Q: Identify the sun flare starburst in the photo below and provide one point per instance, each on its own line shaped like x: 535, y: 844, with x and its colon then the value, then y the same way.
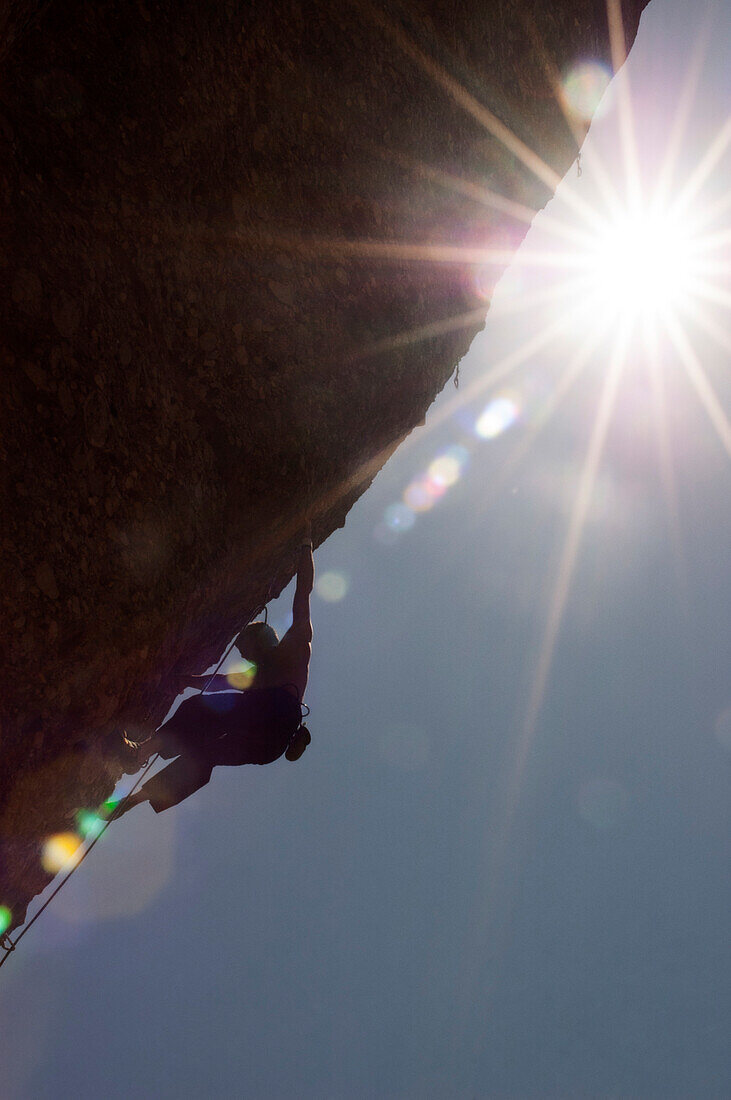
x: 633, y: 274
x: 627, y: 288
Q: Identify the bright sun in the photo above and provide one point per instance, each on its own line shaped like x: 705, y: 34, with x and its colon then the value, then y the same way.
x: 627, y: 275
x: 642, y: 264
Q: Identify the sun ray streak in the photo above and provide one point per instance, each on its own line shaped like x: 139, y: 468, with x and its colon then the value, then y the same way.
x: 682, y: 112
x: 477, y: 110
x: 553, y: 76
x: 502, y: 835
x: 711, y: 211
x: 409, y: 251
x: 665, y: 457
x: 497, y: 844
x: 493, y: 200
x: 501, y: 369
x: 500, y: 308
x: 700, y: 382
x: 710, y: 292
x: 466, y: 101
x: 569, y: 555
x: 566, y: 380
x: 700, y: 318
x: 618, y: 47
x: 424, y: 332
x: 558, y: 228
x: 563, y: 290
x: 712, y: 241
x: 577, y: 128
x: 703, y: 169
x: 475, y: 191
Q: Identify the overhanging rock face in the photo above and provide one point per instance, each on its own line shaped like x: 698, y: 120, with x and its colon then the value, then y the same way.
x: 205, y: 292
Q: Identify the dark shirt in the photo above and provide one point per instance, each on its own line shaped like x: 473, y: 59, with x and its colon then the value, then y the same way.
x: 226, y: 728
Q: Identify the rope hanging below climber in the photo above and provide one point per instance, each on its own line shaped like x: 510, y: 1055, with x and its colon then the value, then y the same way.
x: 225, y: 725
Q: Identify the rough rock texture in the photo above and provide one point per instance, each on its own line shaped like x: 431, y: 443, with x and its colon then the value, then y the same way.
x: 198, y: 310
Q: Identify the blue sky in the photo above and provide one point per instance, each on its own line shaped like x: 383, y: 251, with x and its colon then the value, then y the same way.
x: 443, y: 897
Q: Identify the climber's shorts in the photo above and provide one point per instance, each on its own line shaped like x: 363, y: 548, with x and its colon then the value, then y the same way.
x: 225, y: 728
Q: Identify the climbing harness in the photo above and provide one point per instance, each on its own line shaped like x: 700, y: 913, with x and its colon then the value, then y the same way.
x: 7, y: 943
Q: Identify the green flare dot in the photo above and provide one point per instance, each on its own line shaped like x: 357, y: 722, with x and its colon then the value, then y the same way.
x: 5, y: 918
x: 89, y: 824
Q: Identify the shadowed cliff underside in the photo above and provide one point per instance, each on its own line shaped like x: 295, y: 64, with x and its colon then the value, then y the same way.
x: 195, y: 354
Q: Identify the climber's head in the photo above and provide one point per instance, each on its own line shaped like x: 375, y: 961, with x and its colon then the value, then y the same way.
x: 300, y: 740
x: 256, y: 641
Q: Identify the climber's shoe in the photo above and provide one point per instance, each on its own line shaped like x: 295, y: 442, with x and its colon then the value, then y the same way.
x: 299, y: 742
x: 128, y: 753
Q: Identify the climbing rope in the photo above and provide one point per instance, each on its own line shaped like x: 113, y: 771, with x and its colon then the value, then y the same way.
x: 8, y: 944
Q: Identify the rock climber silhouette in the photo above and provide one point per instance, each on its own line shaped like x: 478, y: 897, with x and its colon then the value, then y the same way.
x: 224, y: 725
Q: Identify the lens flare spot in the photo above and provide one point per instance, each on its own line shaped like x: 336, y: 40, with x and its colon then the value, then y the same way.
x: 445, y: 471
x: 128, y: 878
x: 332, y: 586
x: 446, y: 468
x: 89, y: 824
x: 583, y: 88
x: 419, y: 496
x: 6, y: 918
x: 241, y: 674
x: 499, y: 415
x: 61, y: 850
x: 398, y: 517
x: 436, y: 488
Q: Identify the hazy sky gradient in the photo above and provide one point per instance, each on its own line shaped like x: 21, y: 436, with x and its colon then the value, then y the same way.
x: 406, y: 911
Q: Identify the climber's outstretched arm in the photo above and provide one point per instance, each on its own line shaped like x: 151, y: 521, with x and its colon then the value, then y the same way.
x: 294, y: 650
x: 305, y: 581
